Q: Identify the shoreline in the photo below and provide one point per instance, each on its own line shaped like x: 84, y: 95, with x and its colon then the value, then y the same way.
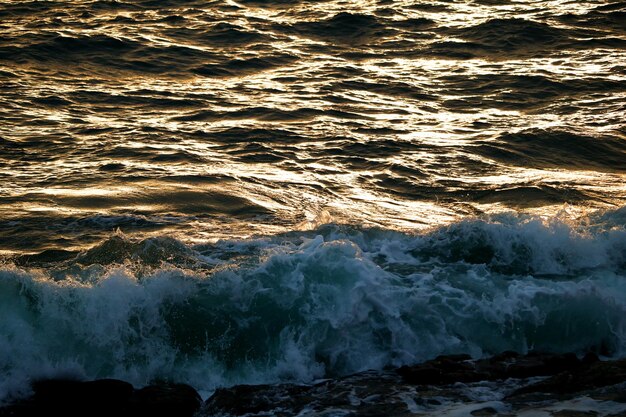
x: 508, y: 384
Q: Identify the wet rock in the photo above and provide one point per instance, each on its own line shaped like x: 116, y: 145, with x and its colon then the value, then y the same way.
x: 450, y: 369
x: 575, y: 413
x: 363, y: 394
x: 253, y: 399
x: 531, y: 365
x: 435, y: 387
x: 105, y: 397
x: 443, y: 370
x: 444, y: 384
x: 165, y: 400
x: 487, y: 411
x: 590, y: 376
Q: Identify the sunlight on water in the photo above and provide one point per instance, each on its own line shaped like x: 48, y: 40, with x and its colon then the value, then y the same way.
x: 249, y: 116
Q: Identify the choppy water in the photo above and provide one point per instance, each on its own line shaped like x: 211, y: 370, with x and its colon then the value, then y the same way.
x: 166, y: 166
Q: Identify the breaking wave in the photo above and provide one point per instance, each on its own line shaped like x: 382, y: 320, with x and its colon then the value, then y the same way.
x: 306, y: 305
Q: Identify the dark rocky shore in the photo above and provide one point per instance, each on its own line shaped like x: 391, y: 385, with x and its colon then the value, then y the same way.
x: 508, y: 384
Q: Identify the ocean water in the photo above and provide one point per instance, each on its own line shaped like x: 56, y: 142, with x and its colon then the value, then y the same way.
x: 263, y: 191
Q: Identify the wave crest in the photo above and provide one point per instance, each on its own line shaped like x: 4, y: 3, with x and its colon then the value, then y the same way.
x: 331, y: 301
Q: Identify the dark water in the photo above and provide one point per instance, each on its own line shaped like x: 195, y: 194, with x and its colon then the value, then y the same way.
x: 221, y: 192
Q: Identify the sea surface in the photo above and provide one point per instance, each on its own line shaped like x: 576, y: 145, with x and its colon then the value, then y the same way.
x: 264, y: 191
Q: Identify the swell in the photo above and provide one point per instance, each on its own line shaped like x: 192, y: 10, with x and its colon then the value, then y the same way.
x: 101, y: 51
x: 268, y: 114
x: 609, y: 16
x: 219, y: 48
x: 221, y: 35
x: 514, y: 195
x: 557, y: 149
x: 345, y: 27
x: 502, y: 37
x: 522, y: 92
x: 239, y: 67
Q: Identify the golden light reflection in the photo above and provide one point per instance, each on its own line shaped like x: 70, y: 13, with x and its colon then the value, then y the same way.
x: 290, y: 114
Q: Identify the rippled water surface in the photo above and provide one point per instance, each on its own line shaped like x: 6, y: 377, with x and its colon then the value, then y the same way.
x: 212, y: 119
x: 265, y: 191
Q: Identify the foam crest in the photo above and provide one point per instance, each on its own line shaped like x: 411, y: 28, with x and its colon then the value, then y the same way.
x: 312, y: 304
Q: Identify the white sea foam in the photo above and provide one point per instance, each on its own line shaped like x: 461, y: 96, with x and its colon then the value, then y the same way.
x: 310, y: 305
